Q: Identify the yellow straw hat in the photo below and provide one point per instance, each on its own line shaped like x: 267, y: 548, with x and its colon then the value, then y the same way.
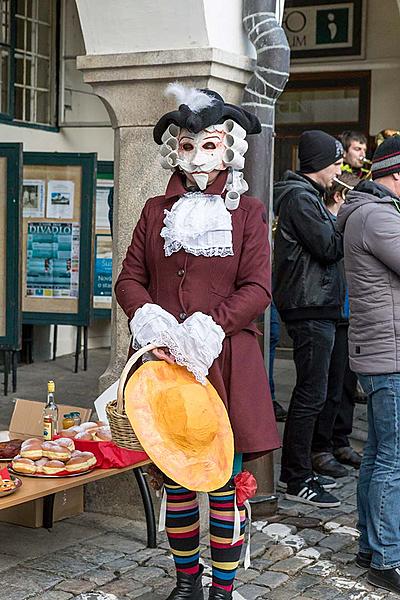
x: 182, y: 425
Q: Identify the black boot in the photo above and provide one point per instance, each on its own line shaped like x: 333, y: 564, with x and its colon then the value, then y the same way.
x: 218, y: 594
x: 188, y: 587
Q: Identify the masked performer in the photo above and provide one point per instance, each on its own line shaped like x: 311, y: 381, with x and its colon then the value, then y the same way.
x: 196, y: 275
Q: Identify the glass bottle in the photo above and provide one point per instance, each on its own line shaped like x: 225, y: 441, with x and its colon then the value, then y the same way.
x: 50, y: 414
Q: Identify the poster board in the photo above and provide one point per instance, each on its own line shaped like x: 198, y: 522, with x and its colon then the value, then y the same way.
x: 10, y: 205
x: 57, y: 240
x: 102, y: 279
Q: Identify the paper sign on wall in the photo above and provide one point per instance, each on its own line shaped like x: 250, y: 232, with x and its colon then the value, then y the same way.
x: 60, y: 199
x: 33, y: 198
x: 52, y: 266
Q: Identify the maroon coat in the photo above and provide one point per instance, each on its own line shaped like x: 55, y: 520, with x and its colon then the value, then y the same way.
x: 234, y: 290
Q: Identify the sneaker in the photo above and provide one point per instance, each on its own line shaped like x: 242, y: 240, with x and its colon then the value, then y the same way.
x: 280, y: 412
x: 387, y: 579
x: 328, y: 483
x: 311, y: 492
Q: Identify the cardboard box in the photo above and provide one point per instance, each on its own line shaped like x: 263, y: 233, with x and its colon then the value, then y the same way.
x: 26, y: 422
x: 27, y: 418
x: 68, y: 503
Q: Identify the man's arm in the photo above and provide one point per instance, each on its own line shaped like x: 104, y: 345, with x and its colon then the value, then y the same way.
x: 382, y: 237
x: 313, y: 231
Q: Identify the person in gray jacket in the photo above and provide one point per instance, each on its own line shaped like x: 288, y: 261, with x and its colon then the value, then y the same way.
x: 370, y: 220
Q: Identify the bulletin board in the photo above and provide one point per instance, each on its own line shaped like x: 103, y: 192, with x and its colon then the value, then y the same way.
x: 57, y: 237
x: 102, y: 279
x: 10, y: 297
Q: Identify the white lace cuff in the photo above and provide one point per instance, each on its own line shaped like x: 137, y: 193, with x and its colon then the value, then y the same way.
x: 147, y: 323
x: 195, y: 344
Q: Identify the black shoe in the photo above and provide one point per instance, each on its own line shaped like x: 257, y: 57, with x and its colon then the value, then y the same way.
x: 311, y: 492
x: 328, y: 483
x: 218, y: 594
x: 363, y: 560
x: 348, y: 456
x: 188, y: 587
x: 325, y: 463
x: 280, y: 412
x: 387, y: 579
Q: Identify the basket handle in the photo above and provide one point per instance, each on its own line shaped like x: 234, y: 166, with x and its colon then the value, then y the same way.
x: 132, y: 360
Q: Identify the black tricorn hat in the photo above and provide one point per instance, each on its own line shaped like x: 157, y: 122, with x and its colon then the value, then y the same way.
x: 200, y: 108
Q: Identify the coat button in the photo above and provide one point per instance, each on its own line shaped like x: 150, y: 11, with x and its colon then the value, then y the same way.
x: 182, y: 316
x: 181, y: 272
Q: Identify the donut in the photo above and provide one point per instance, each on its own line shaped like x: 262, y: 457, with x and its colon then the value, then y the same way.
x: 40, y: 464
x: 67, y: 443
x: 31, y: 450
x: 103, y: 434
x: 77, y: 464
x: 53, y: 467
x: 69, y: 433
x: 90, y: 458
x: 88, y: 425
x: 23, y: 465
x: 55, y: 451
x: 84, y: 436
x: 32, y: 441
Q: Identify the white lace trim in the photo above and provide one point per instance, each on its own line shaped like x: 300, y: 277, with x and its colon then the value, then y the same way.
x: 165, y: 339
x: 195, y: 344
x: 200, y: 224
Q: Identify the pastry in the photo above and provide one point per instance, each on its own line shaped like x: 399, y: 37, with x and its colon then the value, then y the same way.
x: 31, y: 449
x: 40, y: 464
x: 86, y: 436
x: 10, y: 449
x: 77, y: 464
x: 55, y: 451
x: 53, y: 467
x: 23, y: 465
x: 67, y: 443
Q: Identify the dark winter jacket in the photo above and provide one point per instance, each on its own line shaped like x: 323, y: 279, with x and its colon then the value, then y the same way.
x: 371, y: 225
x: 308, y: 280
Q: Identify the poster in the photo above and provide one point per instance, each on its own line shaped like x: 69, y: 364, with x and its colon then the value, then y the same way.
x: 60, y: 199
x: 104, y: 186
x: 103, y: 270
x: 33, y: 198
x: 52, y: 266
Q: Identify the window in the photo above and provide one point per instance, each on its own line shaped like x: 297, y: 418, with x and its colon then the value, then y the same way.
x: 28, y: 65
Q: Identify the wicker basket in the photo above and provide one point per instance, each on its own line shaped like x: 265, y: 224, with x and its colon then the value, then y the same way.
x: 121, y: 429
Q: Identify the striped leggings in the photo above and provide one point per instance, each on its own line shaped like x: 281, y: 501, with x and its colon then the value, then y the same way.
x: 182, y: 527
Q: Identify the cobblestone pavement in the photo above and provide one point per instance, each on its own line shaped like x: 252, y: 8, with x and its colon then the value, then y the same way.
x: 300, y: 553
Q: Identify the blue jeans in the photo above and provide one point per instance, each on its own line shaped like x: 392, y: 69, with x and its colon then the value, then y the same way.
x: 379, y: 483
x: 275, y: 334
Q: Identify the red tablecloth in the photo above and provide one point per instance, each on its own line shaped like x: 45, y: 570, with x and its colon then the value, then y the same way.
x: 109, y: 455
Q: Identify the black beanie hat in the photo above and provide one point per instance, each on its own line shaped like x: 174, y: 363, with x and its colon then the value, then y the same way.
x: 318, y: 150
x: 386, y: 159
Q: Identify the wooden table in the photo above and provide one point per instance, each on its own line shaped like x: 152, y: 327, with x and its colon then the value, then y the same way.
x: 46, y: 488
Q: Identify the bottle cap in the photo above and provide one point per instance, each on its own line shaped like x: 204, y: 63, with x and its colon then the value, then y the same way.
x: 51, y: 386
x: 68, y: 415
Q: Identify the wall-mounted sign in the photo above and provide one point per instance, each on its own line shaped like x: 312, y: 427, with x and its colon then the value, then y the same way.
x: 102, y: 289
x: 323, y: 28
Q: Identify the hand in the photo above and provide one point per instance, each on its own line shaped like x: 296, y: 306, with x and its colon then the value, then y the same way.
x: 164, y: 354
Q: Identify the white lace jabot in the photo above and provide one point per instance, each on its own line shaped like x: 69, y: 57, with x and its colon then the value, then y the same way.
x: 200, y: 224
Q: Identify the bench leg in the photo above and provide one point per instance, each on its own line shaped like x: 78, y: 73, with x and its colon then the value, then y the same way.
x: 48, y: 506
x: 148, y: 507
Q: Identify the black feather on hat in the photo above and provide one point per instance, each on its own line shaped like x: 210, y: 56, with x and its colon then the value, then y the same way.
x: 199, y: 109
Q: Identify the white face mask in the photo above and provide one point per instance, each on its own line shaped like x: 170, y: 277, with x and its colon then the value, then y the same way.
x: 200, y: 154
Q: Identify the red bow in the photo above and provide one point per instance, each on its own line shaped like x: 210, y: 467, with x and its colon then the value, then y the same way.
x: 246, y: 486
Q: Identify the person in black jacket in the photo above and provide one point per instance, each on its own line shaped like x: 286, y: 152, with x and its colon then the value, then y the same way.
x: 308, y: 290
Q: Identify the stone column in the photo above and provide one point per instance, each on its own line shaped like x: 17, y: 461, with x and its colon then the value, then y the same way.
x: 132, y: 89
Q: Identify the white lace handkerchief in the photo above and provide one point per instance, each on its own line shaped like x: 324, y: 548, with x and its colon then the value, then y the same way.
x: 200, y: 224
